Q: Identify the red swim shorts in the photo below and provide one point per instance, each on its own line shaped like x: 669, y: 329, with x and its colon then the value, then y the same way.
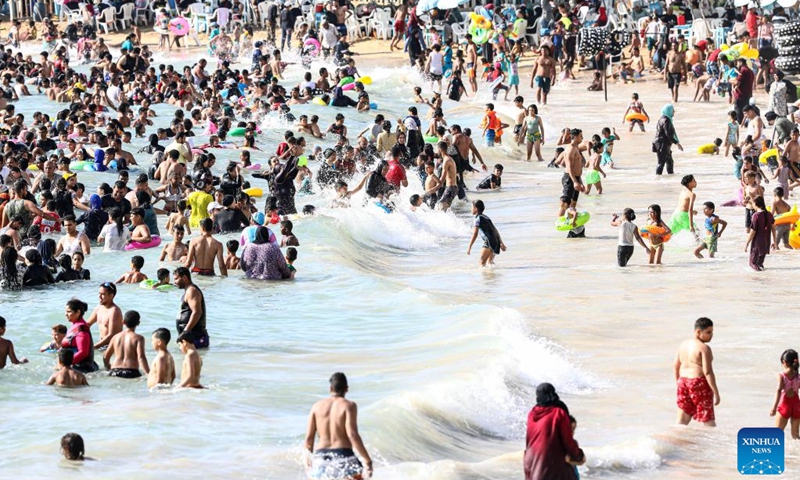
x: 789, y: 407
x: 399, y: 26
x: 695, y: 398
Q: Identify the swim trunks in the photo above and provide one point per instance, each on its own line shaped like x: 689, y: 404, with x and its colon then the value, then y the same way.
x: 399, y: 27
x: 592, y: 177
x: 711, y: 243
x: 624, y: 254
x: 695, y: 398
x: 449, y: 195
x: 490, y: 134
x: 124, y: 373
x: 789, y: 407
x: 435, y: 77
x: 679, y: 222
x: 673, y: 80
x: 513, y: 80
x: 533, y: 137
x: 543, y: 83
x: 205, y: 272
x: 568, y: 188
x: 517, y: 128
x: 201, y: 341
x: 335, y: 463
x: 471, y: 70
x: 748, y: 217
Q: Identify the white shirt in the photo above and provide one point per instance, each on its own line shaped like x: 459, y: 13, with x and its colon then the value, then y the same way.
x: 114, y: 93
x: 436, y: 63
x: 626, y: 230
x: 310, y: 84
x: 329, y: 36
x: 113, y: 241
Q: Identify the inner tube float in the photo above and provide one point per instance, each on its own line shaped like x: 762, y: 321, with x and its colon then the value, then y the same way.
x: 794, y: 237
x: 765, y: 157
x: 254, y: 192
x: 302, y: 161
x: 319, y: 101
x: 81, y: 165
x: 150, y: 284
x: 179, y: 26
x: 563, y: 222
x: 789, y: 218
x: 237, y: 132
x: 482, y: 21
x: 647, y: 230
x: 633, y: 116
x: 155, y: 241
x: 312, y: 47
x: 255, y: 166
x: 479, y: 35
x: 346, y: 80
x: 431, y: 139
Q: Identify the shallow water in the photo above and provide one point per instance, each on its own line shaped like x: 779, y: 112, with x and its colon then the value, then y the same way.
x: 442, y: 357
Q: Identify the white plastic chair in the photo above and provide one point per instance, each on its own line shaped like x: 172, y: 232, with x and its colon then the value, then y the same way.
x: 222, y: 16
x: 365, y: 23
x: 353, y: 31
x: 126, y: 12
x: 74, y: 16
x: 262, y: 13
x: 107, y: 20
x: 142, y: 12
x: 198, y: 17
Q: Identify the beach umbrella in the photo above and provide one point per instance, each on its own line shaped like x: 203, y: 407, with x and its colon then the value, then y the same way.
x: 447, y: 4
x: 425, y: 5
x: 766, y: 3
x: 741, y: 3
x: 787, y: 3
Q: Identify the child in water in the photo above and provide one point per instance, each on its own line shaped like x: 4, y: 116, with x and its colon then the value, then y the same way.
x: 711, y: 226
x: 493, y: 181
x: 574, y: 424
x: 58, y: 333
x: 66, y: 376
x: 231, y: 260
x: 291, y: 256
x: 592, y: 176
x: 628, y: 231
x: 608, y: 142
x: 635, y: 107
x: 787, y: 404
x: 656, y: 240
x: 731, y: 132
x: 710, y: 148
x: 135, y: 275
x: 7, y: 348
x: 492, y: 243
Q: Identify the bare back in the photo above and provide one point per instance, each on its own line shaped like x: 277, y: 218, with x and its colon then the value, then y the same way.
x: 330, y: 417
x: 690, y: 356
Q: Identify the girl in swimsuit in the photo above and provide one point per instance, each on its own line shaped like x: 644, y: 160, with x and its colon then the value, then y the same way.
x: 787, y: 404
x: 533, y: 133
x: 656, y: 241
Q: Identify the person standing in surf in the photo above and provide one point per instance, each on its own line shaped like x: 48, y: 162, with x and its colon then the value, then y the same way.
x: 549, y: 440
x: 665, y: 138
x: 694, y: 375
x: 335, y: 420
x: 492, y: 242
x: 683, y: 216
x: 571, y: 182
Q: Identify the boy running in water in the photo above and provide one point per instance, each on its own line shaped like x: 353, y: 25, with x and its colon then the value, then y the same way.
x: 492, y: 243
x: 713, y: 232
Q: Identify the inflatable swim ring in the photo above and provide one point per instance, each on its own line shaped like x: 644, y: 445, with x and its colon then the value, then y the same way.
x: 237, y: 132
x: 563, y: 224
x: 479, y: 35
x: 373, y: 106
x: 155, y: 241
x: 198, y: 151
x: 312, y: 42
x: 179, y: 26
x: 366, y: 80
x: 788, y: 218
x: 636, y: 116
x: 255, y: 166
x: 348, y: 87
x: 319, y: 101
x: 150, y: 284
x: 431, y: 139
x: 302, y: 161
x: 80, y: 165
x: 652, y: 229
x: 254, y: 191
x: 764, y: 157
x: 346, y: 80
x: 33, y: 168
x: 794, y: 237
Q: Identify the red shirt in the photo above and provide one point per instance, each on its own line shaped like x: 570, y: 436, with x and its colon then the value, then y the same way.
x: 282, y: 147
x: 396, y: 173
x: 752, y: 24
x: 714, y: 55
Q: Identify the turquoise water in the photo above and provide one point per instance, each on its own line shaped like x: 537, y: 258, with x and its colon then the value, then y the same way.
x: 442, y: 356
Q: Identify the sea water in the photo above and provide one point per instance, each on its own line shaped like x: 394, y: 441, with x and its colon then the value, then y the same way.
x: 442, y: 357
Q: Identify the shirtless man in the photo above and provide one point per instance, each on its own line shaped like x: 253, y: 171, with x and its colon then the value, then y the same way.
x: 203, y: 250
x: 162, y: 371
x: 176, y: 250
x: 472, y: 63
x: 107, y: 315
x: 697, y: 384
x: 399, y: 26
x: 335, y: 420
x: 66, y: 376
x: 571, y: 182
x: 141, y: 232
x: 449, y: 175
x: 464, y: 145
x: 192, y: 363
x: 171, y: 166
x: 675, y: 71
x: 544, y: 74
x: 683, y: 216
x: 127, y: 347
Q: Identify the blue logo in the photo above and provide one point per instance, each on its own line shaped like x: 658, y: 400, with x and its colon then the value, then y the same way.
x: 761, y: 451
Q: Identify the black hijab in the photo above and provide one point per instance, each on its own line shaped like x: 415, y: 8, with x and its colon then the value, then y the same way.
x: 546, y: 396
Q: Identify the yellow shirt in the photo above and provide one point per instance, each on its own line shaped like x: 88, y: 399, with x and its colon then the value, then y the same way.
x: 198, y: 201
x: 707, y: 149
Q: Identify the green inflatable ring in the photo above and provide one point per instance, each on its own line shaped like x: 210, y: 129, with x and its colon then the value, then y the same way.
x: 562, y: 224
x: 479, y: 35
x: 237, y: 132
x: 431, y: 139
x: 80, y: 165
x: 345, y: 81
x: 150, y: 282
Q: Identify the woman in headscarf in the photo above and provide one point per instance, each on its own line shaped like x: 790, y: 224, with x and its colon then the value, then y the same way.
x: 665, y: 138
x: 263, y: 260
x: 342, y: 100
x: 376, y: 184
x: 47, y: 249
x: 79, y: 337
x: 762, y: 234
x: 95, y: 219
x: 549, y: 439
x: 143, y: 199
